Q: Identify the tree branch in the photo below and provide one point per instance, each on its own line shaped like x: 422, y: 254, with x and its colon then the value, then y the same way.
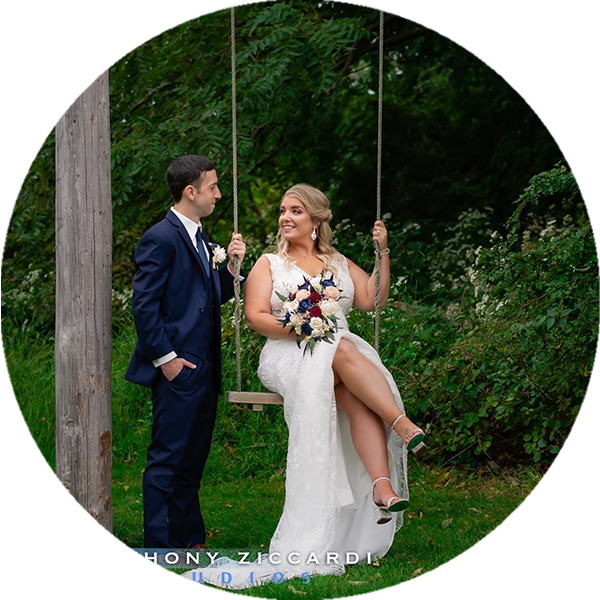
x: 151, y: 92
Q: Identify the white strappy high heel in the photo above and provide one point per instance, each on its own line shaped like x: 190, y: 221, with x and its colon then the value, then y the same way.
x: 382, y: 513
x: 414, y: 442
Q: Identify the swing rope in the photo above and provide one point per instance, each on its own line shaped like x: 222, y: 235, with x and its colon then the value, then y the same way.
x: 236, y: 281
x: 236, y: 262
x: 379, y: 145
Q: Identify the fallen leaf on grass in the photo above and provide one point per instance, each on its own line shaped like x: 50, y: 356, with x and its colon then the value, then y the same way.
x: 417, y: 572
x: 293, y: 589
x: 446, y: 522
x: 228, y: 505
x: 474, y: 509
x: 357, y: 582
x: 375, y: 563
x: 161, y: 580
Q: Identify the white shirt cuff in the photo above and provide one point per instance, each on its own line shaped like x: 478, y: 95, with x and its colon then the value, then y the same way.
x: 232, y: 273
x: 164, y: 359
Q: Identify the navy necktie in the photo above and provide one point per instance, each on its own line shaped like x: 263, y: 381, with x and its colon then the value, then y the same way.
x: 202, y: 253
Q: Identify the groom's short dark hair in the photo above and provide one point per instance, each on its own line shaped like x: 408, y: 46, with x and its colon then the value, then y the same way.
x: 187, y: 170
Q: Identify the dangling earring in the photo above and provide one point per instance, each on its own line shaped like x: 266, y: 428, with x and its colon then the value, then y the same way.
x: 313, y: 235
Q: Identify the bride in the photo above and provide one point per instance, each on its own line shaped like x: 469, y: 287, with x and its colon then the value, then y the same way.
x: 346, y: 485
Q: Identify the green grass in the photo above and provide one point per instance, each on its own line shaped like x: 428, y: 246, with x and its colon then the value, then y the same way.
x: 451, y: 508
x: 521, y: 521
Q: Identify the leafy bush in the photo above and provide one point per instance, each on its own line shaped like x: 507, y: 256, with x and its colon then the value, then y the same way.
x: 490, y: 337
x: 497, y: 359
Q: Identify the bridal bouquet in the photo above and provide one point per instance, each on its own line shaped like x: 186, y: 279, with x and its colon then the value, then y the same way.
x: 311, y: 311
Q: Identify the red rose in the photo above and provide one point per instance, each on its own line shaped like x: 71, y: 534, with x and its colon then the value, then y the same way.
x: 293, y: 296
x: 315, y: 311
x: 315, y: 298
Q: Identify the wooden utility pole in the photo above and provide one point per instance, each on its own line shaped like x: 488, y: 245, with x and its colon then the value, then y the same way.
x: 84, y: 301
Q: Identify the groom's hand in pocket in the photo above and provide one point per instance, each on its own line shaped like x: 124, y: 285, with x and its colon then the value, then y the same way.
x: 172, y: 368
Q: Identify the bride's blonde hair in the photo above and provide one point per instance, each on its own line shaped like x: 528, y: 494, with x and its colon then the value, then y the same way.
x: 317, y: 205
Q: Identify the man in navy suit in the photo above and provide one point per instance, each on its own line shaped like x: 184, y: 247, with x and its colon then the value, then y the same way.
x: 177, y: 295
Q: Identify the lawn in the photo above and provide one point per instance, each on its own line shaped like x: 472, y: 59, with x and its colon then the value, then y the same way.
x: 516, y: 534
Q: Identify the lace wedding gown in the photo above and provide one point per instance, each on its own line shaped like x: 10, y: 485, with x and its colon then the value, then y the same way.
x: 328, y: 507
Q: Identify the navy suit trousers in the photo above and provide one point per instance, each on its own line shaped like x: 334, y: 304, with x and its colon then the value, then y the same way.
x: 184, y: 412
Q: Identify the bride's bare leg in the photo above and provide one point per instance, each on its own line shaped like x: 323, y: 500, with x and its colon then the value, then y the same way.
x: 367, y: 383
x: 368, y: 436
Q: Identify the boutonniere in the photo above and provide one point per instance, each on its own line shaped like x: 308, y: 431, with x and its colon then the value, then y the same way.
x: 219, y: 255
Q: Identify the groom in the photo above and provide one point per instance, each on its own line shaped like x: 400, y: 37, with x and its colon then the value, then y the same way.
x: 177, y: 294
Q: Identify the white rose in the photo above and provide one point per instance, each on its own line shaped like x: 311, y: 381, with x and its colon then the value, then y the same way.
x: 316, y: 322
x: 296, y: 319
x: 316, y: 283
x: 315, y: 333
x: 329, y: 308
x: 332, y: 292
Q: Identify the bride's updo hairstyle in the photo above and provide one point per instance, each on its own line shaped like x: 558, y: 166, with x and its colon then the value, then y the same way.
x: 317, y: 205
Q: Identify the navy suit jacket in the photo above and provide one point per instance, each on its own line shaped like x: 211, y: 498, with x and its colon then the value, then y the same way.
x: 172, y: 306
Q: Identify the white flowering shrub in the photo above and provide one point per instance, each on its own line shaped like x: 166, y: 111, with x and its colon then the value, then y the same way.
x: 496, y: 362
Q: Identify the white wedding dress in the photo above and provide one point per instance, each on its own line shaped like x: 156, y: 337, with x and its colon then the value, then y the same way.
x: 328, y: 491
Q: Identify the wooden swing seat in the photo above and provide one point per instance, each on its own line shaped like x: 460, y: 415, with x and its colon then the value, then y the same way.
x: 256, y: 399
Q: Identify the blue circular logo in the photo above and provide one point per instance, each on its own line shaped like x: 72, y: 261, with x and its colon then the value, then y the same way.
x: 45, y: 559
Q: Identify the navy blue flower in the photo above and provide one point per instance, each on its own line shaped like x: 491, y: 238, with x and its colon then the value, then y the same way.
x: 306, y: 329
x: 287, y: 317
x: 304, y: 305
x: 328, y: 282
x: 305, y: 285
